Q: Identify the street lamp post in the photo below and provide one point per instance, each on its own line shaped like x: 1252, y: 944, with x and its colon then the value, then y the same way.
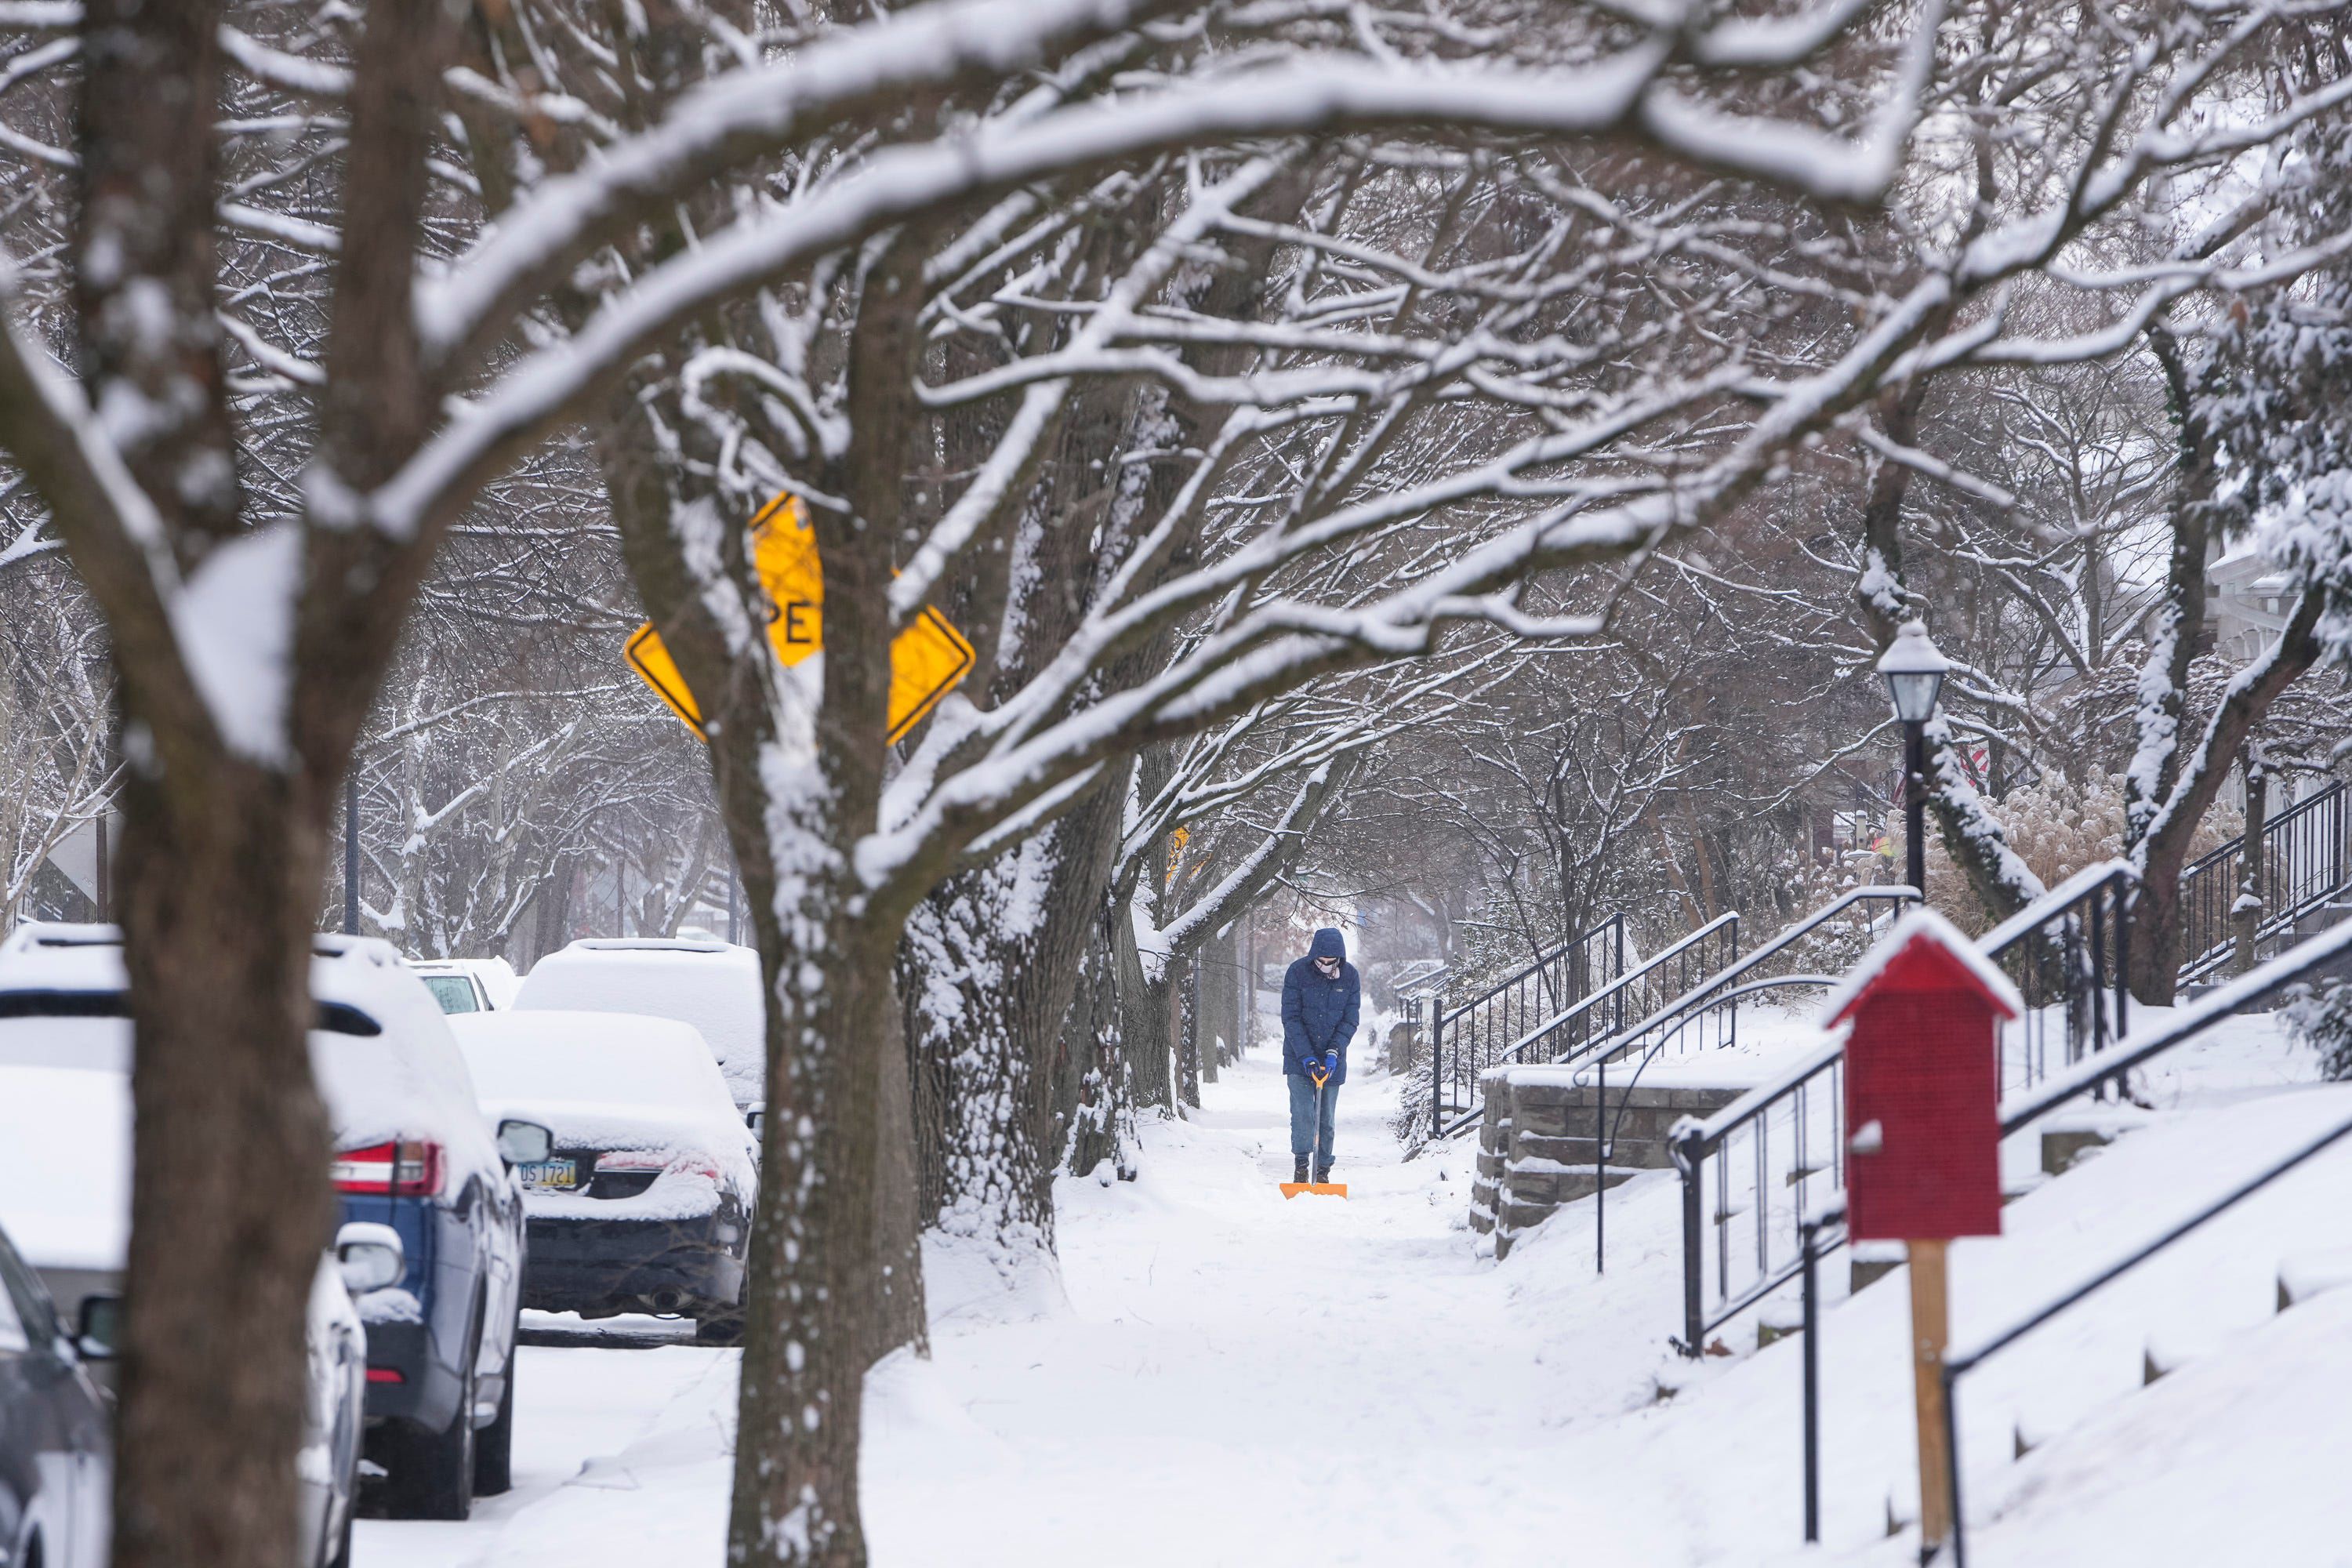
x: 1914, y: 673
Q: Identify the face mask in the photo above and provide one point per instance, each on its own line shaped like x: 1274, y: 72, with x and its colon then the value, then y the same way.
x: 1329, y: 966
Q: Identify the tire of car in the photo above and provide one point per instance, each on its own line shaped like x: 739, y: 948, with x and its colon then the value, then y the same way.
x: 433, y: 1472
x: 724, y: 1326
x: 494, y: 1444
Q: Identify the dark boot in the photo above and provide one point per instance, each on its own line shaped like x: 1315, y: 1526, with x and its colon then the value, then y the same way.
x: 1298, y: 1170
x: 1323, y: 1174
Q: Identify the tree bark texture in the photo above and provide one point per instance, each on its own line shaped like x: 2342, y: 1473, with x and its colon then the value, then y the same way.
x: 220, y: 1263
x: 2157, y: 915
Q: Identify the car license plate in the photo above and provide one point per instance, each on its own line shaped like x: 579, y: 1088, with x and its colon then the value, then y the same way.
x: 558, y: 1175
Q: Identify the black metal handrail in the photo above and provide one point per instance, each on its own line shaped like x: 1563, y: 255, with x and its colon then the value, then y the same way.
x: 2070, y: 944
x: 1719, y: 994
x: 1706, y: 1003
x: 2303, y: 866
x: 1478, y: 1027
x: 2266, y: 980
x: 1958, y: 1365
x: 1572, y: 1022
x: 2069, y: 954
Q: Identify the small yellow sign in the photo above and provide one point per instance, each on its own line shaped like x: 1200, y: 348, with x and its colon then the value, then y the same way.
x: 926, y: 660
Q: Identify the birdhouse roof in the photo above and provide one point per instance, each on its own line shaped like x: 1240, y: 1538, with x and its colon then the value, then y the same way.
x: 1924, y: 951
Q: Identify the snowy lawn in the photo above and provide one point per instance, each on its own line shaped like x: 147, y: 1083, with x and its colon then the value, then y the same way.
x: 1232, y: 1378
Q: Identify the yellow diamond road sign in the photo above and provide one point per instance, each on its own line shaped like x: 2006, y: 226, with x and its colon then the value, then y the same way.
x: 926, y: 660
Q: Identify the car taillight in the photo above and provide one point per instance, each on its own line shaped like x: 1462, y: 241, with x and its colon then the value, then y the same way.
x: 386, y: 1374
x: 638, y: 1162
x: 406, y: 1168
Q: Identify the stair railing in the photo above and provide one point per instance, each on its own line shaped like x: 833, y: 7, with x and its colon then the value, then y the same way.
x: 2303, y: 866
x: 1778, y: 1151
x: 1716, y: 999
x: 1712, y: 1006
x: 2069, y: 954
x: 1958, y: 1365
x: 1576, y: 991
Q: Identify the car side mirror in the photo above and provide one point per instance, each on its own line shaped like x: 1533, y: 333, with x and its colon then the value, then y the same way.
x: 370, y: 1257
x: 524, y: 1142
x: 97, y: 1328
x: 756, y: 1118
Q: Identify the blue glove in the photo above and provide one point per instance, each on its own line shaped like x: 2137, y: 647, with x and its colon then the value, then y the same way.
x: 1330, y: 1063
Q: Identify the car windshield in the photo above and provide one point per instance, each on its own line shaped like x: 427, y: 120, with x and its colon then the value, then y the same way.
x: 454, y: 993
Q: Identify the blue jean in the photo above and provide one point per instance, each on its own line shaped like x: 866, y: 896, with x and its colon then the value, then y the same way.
x: 1304, y: 1131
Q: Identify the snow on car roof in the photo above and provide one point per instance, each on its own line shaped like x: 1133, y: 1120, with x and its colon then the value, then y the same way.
x: 598, y: 1077
x: 64, y: 1163
x: 387, y: 1064
x: 713, y: 986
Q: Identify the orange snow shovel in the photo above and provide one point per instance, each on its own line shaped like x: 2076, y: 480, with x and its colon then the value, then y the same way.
x: 1321, y: 1189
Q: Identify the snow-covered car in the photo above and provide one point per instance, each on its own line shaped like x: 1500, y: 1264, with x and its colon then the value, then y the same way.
x: 712, y: 985
x: 57, y: 1461
x: 467, y: 984
x: 645, y: 1204
x: 411, y: 1153
x: 65, y: 1197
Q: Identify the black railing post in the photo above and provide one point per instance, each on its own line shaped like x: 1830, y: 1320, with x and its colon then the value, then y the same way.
x: 1689, y: 1151
x: 1952, y: 1467
x: 1436, y: 1068
x: 2098, y: 969
x: 1809, y: 1233
x: 1599, y: 1167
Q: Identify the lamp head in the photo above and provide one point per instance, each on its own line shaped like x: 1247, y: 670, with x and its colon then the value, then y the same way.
x: 1914, y: 672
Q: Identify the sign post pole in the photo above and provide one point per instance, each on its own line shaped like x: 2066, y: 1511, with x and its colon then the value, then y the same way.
x: 1930, y: 1332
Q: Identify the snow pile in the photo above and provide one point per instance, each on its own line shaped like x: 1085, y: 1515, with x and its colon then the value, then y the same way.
x: 713, y: 986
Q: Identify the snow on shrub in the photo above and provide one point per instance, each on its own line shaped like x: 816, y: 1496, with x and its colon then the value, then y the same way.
x: 2322, y: 1019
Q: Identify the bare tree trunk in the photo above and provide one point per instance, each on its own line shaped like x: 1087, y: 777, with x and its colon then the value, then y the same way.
x: 221, y: 1011
x: 2157, y: 932
x: 1188, y: 1037
x: 1103, y: 1099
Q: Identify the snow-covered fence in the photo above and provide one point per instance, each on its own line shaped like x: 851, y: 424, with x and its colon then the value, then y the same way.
x: 1707, y: 1015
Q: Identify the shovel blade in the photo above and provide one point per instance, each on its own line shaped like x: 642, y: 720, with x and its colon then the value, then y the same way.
x: 1316, y: 1189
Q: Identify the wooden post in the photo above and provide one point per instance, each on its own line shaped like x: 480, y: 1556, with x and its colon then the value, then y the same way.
x: 1930, y: 1332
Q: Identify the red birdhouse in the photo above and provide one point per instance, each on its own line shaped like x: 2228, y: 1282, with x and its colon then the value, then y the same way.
x: 1922, y: 1116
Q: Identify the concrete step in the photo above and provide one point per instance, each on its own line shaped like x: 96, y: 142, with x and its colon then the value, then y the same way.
x: 1557, y: 1089
x: 1546, y: 1185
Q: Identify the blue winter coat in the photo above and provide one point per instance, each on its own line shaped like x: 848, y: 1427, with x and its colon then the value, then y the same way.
x: 1318, y: 1016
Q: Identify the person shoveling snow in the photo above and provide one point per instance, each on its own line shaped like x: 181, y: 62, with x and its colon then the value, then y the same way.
x: 1319, y: 998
